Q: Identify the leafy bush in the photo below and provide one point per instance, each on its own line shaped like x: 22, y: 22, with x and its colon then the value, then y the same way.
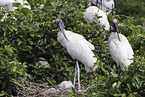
x: 34, y: 35
x: 10, y: 69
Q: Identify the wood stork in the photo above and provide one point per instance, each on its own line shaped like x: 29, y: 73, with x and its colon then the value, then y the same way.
x: 104, y: 4
x: 91, y: 13
x: 120, y: 49
x: 8, y: 5
x: 78, y: 48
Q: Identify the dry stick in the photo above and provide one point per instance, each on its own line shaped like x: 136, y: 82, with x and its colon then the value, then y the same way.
x: 87, y: 88
x: 22, y: 86
x: 28, y: 88
x: 38, y: 84
x: 122, y: 16
x: 33, y: 10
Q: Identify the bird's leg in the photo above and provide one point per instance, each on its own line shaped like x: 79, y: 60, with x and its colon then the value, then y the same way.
x: 75, y: 75
x: 78, y: 75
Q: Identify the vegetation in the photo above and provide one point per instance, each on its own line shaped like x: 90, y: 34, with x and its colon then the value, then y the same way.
x: 34, y: 35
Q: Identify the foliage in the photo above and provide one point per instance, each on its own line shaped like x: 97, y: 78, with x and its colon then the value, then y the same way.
x: 10, y: 69
x: 134, y: 8
x: 34, y: 35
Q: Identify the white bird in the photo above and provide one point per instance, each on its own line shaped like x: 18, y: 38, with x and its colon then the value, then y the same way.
x: 91, y: 13
x: 8, y: 4
x: 66, y: 85
x: 120, y: 49
x: 104, y: 4
x: 78, y: 48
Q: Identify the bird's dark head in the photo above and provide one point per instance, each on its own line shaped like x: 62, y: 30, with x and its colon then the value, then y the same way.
x: 58, y: 20
x: 61, y: 25
x: 114, y: 25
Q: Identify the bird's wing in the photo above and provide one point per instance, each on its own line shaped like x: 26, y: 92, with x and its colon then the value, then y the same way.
x: 127, y: 44
x: 103, y: 20
x: 81, y: 51
x: 80, y: 39
x: 91, y: 46
x: 126, y: 53
x: 88, y: 16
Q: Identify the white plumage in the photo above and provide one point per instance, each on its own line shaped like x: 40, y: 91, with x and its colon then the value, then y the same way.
x: 8, y: 5
x: 78, y: 48
x: 91, y: 13
x: 104, y: 4
x: 121, y: 51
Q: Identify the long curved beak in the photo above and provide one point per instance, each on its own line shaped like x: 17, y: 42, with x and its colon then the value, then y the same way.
x: 116, y: 25
x: 62, y: 30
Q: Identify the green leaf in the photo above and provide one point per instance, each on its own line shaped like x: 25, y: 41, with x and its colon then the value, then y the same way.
x: 114, y: 84
x: 2, y: 93
x: 129, y: 86
x: 123, y: 95
x: 41, y: 6
x: 13, y: 28
x: 124, y: 66
x: 134, y: 95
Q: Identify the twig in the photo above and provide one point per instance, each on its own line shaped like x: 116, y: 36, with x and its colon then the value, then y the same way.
x: 22, y: 86
x: 38, y: 84
x: 33, y: 10
x: 86, y: 89
x: 122, y: 16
